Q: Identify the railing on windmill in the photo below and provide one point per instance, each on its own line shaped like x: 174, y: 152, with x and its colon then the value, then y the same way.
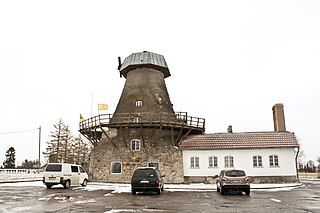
x: 180, y: 119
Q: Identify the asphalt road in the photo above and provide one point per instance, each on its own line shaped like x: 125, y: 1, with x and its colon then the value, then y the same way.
x: 15, y: 198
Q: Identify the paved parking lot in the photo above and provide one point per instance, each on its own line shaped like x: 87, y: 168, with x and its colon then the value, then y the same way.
x: 101, y: 197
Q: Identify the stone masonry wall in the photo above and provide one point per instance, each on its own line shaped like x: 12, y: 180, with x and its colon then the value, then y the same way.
x: 156, y: 146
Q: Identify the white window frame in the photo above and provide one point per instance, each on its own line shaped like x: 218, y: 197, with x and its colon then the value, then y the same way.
x: 228, y: 161
x: 213, y: 161
x: 138, y: 103
x: 137, y: 119
x: 274, y: 161
x: 194, y: 162
x: 111, y: 167
x: 157, y: 165
x: 257, y: 161
x: 135, y: 145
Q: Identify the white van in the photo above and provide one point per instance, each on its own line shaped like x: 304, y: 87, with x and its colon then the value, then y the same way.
x: 65, y: 174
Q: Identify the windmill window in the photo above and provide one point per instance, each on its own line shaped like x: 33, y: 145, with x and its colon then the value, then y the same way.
x: 135, y: 145
x: 153, y: 164
x: 116, y: 167
x: 137, y: 119
x: 138, y: 103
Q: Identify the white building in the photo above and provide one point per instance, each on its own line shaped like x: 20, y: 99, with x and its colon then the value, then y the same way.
x: 267, y: 156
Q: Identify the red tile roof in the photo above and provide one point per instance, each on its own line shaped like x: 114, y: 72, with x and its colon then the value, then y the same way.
x: 244, y: 140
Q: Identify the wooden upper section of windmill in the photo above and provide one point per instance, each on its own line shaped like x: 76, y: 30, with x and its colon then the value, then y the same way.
x: 144, y: 59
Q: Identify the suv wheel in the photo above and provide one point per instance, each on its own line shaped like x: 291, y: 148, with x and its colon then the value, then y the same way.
x: 133, y: 192
x: 158, y: 191
x: 222, y: 191
x: 247, y: 192
x: 67, y: 184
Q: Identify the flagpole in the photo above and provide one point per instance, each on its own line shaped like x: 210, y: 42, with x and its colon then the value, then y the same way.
x: 39, y: 164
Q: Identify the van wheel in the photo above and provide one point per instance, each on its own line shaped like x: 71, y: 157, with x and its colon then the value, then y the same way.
x: 84, y: 183
x: 48, y: 186
x: 67, y: 184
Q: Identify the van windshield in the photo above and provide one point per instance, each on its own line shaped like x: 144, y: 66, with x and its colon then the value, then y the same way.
x: 53, y: 168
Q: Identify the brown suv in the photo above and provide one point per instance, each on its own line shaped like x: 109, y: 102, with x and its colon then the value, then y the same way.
x: 233, y: 180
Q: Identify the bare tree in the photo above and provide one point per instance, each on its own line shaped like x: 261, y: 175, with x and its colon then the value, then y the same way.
x: 63, y: 147
x: 58, y: 145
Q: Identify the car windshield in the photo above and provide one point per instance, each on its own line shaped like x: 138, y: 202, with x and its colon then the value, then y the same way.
x: 53, y: 168
x: 235, y: 173
x: 144, y: 173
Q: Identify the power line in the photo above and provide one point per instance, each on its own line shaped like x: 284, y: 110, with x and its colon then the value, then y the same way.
x: 20, y: 131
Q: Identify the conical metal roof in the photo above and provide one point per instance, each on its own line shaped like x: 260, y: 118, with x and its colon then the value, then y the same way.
x: 144, y: 59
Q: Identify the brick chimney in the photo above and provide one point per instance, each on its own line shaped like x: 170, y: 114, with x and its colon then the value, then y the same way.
x: 278, y: 118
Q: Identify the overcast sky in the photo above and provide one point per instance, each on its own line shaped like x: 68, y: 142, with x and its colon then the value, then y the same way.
x: 230, y: 62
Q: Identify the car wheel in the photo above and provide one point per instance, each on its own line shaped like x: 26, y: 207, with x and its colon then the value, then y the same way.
x: 222, y: 190
x: 133, y: 192
x: 67, y: 184
x: 48, y: 186
x: 84, y: 183
x: 158, y: 191
x: 247, y: 192
x: 218, y: 189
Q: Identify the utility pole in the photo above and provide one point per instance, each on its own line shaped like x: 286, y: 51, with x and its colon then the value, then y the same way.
x: 39, y: 164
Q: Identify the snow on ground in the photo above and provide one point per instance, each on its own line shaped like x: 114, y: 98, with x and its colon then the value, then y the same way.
x: 125, y: 188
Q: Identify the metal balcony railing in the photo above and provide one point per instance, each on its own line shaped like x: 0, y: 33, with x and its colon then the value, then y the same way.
x: 178, y: 120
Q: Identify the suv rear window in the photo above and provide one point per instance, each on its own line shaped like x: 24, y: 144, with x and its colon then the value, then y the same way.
x: 144, y: 173
x: 235, y: 173
x: 53, y: 168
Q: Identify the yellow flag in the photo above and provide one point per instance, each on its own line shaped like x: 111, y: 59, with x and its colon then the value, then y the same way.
x: 102, y: 106
x: 81, y: 117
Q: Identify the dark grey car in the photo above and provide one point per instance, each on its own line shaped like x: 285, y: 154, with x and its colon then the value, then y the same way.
x: 147, y: 179
x: 233, y: 180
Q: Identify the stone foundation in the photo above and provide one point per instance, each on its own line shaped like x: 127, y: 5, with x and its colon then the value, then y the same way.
x: 156, y: 147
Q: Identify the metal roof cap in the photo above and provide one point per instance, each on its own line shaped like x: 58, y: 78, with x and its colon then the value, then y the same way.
x: 144, y: 59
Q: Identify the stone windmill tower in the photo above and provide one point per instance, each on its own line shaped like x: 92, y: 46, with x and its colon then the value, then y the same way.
x: 144, y: 129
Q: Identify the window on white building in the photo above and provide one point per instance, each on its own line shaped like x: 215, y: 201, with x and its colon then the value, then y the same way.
x: 138, y: 103
x: 135, y: 145
x: 228, y: 161
x: 194, y: 162
x: 213, y: 161
x: 273, y: 160
x: 116, y: 167
x: 257, y: 161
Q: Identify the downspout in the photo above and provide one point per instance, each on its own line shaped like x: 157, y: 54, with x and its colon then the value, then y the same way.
x: 297, y: 173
